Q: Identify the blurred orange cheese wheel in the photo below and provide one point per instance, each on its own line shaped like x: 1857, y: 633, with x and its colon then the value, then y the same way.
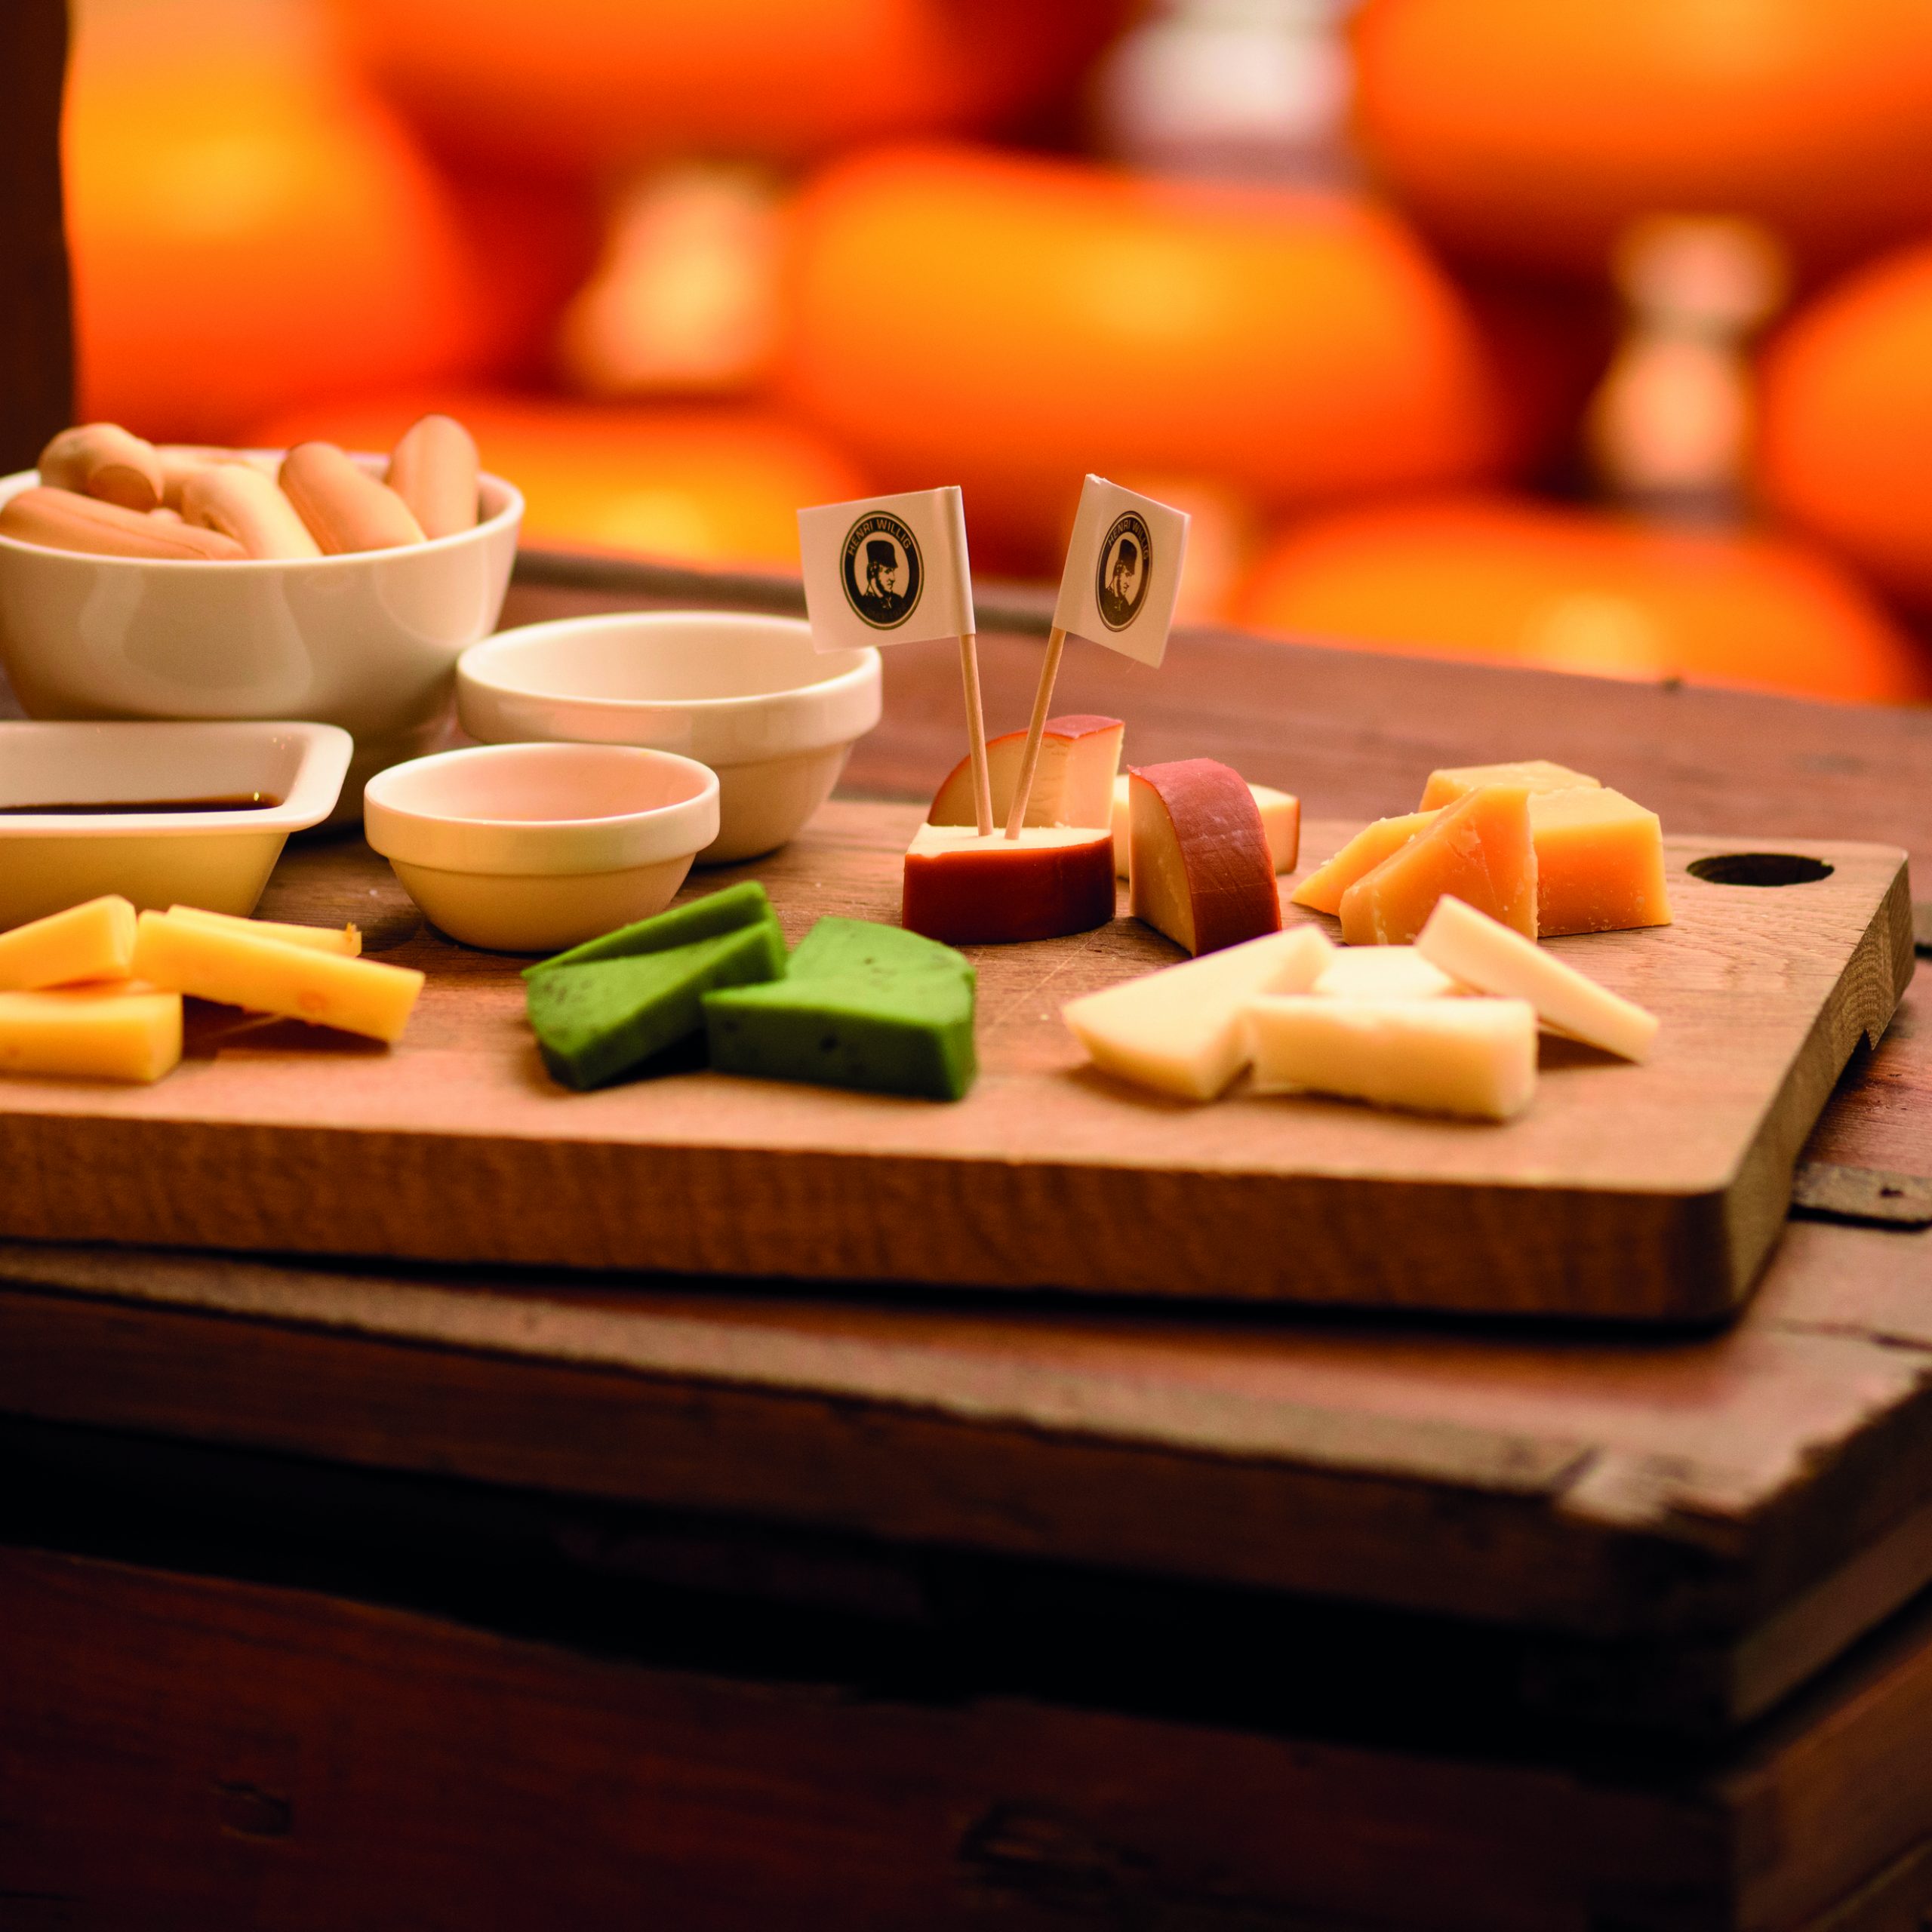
x: 245, y: 233
x: 956, y: 314
x: 1532, y: 130
x: 1575, y: 590
x: 594, y: 85
x: 1845, y: 436
x: 719, y: 487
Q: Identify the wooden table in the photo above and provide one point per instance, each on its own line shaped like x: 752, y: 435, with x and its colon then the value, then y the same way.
x: 423, y: 1597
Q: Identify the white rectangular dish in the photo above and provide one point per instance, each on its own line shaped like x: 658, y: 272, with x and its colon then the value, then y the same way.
x: 151, y: 810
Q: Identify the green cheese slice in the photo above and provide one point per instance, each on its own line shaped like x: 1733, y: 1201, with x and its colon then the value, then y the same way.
x: 605, y: 1019
x: 736, y: 906
x: 865, y: 1006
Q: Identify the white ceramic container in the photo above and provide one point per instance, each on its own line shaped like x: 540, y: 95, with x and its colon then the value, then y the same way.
x: 217, y: 860
x: 367, y: 641
x: 531, y: 848
x: 746, y: 695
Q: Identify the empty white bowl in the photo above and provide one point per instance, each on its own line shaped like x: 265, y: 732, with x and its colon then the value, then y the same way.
x: 367, y: 641
x: 531, y: 848
x: 748, y: 696
x: 217, y: 859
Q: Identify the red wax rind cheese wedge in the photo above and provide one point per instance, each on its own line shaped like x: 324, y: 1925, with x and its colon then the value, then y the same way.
x: 1599, y: 862
x: 1201, y: 870
x: 1480, y: 849
x: 1322, y: 890
x: 1281, y: 821
x: 1073, y: 783
x: 968, y: 890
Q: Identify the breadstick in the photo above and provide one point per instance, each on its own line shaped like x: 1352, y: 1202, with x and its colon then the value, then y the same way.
x: 179, y: 461
x: 103, y: 460
x: 344, y: 506
x: 60, y: 520
x: 433, y: 470
x: 243, y: 503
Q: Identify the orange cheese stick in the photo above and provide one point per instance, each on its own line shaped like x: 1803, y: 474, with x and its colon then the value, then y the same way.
x: 59, y: 520
x: 433, y: 469
x: 103, y: 460
x: 243, y: 503
x: 344, y: 506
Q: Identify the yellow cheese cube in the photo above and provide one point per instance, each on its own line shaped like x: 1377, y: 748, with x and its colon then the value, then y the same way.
x: 95, y: 941
x: 1479, y: 849
x: 345, y: 939
x: 1533, y: 774
x: 1321, y: 891
x: 124, y: 1031
x: 265, y: 976
x: 1599, y: 862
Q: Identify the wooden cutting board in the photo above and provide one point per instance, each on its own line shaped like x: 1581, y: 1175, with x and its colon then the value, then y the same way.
x: 1651, y: 1193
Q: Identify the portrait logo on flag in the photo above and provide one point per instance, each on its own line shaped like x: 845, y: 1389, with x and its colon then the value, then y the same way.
x: 881, y: 571
x: 1123, y: 571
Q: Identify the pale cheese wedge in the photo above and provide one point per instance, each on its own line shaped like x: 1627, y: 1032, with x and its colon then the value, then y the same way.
x: 1383, y: 972
x: 1483, y: 953
x: 123, y: 1031
x: 93, y: 941
x: 1179, y: 1031
x: 346, y: 940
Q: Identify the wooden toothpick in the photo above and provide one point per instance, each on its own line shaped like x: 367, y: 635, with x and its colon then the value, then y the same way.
x: 1043, y: 701
x: 975, y: 733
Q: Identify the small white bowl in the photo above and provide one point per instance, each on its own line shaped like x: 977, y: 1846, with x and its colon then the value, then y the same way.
x: 218, y: 859
x: 366, y: 641
x: 747, y: 695
x: 531, y: 848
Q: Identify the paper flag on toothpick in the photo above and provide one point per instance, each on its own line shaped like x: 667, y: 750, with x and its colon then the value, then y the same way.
x: 1123, y: 571
x: 887, y: 570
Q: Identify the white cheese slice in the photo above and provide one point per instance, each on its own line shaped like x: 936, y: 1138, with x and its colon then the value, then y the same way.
x: 1383, y: 972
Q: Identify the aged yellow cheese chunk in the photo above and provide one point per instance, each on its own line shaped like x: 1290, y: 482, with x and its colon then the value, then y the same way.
x: 1383, y: 972
x: 1472, y: 1057
x: 266, y: 976
x: 345, y: 939
x: 1480, y: 849
x: 1599, y: 862
x: 1179, y: 1031
x: 95, y: 941
x: 1321, y: 891
x: 120, y: 1031
x: 1493, y: 959
x: 1534, y: 774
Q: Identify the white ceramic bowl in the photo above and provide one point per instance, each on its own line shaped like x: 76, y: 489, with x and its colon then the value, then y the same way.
x: 531, y: 848
x: 217, y: 860
x: 746, y: 695
x: 366, y: 641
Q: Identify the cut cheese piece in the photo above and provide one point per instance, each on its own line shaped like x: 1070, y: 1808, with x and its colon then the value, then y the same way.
x: 1180, y: 1030
x: 1533, y: 774
x: 1479, y: 849
x: 125, y: 1031
x: 1199, y: 868
x: 744, y: 904
x: 1475, y: 1058
x: 267, y: 976
x: 95, y: 941
x: 1493, y: 959
x: 1599, y: 862
x: 1321, y: 891
x: 1072, y: 782
x: 864, y: 1006
x: 1280, y: 825
x: 1383, y: 972
x: 346, y: 940
x: 966, y: 891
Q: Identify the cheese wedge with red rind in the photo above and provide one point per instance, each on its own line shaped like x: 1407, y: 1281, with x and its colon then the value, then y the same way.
x: 1281, y: 823
x: 1200, y: 871
x: 1072, y: 783
x: 965, y: 890
x: 1480, y: 850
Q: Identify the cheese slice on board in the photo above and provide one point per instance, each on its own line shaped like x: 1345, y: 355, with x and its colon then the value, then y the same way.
x: 125, y: 1031
x: 266, y: 976
x: 1383, y: 972
x: 93, y: 941
x: 1493, y: 959
x: 1475, y: 1058
x: 1321, y: 891
x: 1280, y: 825
x: 1480, y: 849
x: 1180, y: 1031
x: 1599, y: 862
x: 346, y: 940
x: 1535, y: 774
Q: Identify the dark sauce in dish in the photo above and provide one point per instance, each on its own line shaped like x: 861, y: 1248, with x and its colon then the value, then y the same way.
x: 237, y: 802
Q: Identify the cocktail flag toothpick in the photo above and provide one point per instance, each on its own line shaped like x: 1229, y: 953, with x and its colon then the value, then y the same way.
x: 1118, y: 588
x: 894, y: 570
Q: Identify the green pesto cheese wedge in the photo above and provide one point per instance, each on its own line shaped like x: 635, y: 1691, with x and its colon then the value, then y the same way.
x: 604, y: 1020
x: 870, y: 1007
x: 738, y: 905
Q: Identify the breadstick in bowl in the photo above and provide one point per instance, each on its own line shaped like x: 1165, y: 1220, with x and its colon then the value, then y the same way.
x: 345, y: 508
x: 104, y: 460
x: 434, y: 468
x: 243, y: 504
x: 61, y: 520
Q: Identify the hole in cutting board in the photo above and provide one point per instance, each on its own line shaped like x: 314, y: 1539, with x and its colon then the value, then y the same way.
x: 1759, y: 869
